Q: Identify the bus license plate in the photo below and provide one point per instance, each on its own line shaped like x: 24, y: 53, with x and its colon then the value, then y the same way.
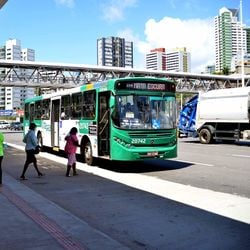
x: 152, y: 153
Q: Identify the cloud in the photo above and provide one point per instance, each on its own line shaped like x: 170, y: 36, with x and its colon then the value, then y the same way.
x: 140, y: 47
x: 114, y: 10
x: 197, y: 35
x: 67, y: 3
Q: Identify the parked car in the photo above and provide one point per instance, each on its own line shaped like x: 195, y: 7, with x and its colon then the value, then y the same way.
x: 4, y: 124
x: 16, y: 126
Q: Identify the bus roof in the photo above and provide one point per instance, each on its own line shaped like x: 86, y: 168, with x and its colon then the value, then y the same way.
x: 100, y: 85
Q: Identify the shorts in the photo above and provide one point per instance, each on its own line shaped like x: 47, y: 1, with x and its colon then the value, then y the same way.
x: 71, y: 159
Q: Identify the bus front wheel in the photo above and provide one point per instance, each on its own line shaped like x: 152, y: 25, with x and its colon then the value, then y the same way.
x: 88, y: 155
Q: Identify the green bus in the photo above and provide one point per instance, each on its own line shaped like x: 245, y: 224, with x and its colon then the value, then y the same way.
x: 125, y: 119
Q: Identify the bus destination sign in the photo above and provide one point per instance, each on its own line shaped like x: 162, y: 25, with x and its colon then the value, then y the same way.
x: 151, y: 86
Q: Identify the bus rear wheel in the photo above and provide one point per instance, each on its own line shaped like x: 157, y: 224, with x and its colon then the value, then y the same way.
x: 88, y: 154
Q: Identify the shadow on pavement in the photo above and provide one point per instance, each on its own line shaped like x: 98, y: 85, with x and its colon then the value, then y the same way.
x: 142, y: 167
x: 152, y: 165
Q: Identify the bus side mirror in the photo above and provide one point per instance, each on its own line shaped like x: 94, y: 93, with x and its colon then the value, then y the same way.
x: 112, y: 102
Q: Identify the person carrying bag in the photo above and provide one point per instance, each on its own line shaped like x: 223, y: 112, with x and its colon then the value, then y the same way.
x: 31, y: 148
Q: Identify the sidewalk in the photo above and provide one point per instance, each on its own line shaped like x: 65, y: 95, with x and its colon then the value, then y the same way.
x: 29, y: 221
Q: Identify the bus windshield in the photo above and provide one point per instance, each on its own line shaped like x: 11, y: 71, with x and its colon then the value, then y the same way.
x: 145, y: 112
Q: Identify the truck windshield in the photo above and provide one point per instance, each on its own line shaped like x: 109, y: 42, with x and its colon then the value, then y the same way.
x: 144, y: 112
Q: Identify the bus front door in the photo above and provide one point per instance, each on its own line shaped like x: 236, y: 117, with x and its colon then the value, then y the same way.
x: 55, y: 123
x: 104, y: 124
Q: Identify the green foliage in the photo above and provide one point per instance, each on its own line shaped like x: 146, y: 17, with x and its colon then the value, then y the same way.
x: 225, y: 71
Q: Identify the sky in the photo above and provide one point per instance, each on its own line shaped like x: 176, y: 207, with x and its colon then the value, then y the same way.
x: 66, y: 31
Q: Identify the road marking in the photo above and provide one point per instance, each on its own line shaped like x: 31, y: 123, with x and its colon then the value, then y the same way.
x: 196, y: 163
x: 244, y: 156
x: 228, y: 205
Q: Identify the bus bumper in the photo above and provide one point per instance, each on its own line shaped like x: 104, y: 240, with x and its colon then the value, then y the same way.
x: 134, y: 154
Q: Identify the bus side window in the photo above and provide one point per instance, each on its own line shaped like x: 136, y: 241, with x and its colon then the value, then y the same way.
x: 32, y: 112
x: 38, y: 110
x: 89, y: 98
x: 65, y: 107
x: 45, y: 109
x: 76, y: 106
x: 27, y: 111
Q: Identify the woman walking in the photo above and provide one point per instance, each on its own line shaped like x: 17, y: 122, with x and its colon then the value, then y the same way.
x: 70, y: 149
x: 31, y: 143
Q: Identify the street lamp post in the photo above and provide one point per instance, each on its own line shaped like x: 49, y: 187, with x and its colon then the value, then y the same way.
x: 242, y: 48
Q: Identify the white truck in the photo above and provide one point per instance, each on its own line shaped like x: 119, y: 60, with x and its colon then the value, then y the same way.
x: 222, y: 114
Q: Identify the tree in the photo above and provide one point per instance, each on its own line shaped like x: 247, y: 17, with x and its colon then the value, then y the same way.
x: 225, y: 71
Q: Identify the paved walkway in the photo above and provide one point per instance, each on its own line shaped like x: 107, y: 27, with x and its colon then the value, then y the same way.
x: 29, y: 221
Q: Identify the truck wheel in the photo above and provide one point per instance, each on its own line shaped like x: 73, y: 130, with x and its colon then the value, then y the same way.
x: 88, y: 155
x: 205, y: 136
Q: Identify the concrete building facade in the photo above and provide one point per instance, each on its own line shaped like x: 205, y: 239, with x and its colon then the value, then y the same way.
x: 230, y: 38
x: 12, y: 98
x: 156, y: 59
x: 114, y: 51
x: 247, y: 29
x: 178, y: 60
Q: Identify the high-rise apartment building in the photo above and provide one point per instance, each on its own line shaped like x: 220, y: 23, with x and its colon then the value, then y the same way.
x: 156, y: 59
x: 178, y: 60
x: 114, y: 51
x: 230, y: 38
x: 248, y: 39
x: 13, y: 97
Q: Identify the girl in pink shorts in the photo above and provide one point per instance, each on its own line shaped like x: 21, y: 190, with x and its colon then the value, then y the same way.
x: 70, y: 149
